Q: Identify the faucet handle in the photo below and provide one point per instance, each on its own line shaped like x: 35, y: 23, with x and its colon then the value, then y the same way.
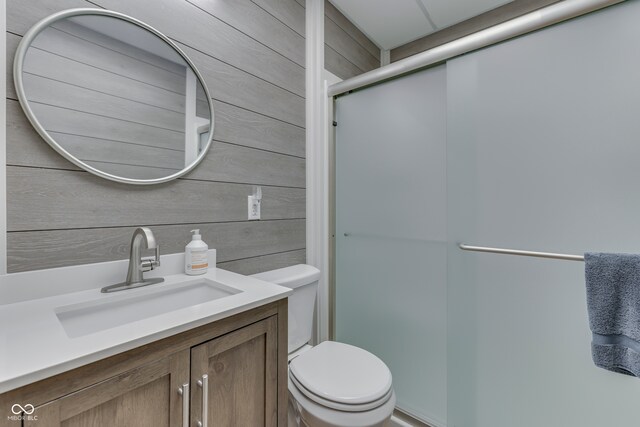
x: 149, y: 263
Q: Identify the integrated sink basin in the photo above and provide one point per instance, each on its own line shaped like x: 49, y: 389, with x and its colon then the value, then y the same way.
x: 133, y: 305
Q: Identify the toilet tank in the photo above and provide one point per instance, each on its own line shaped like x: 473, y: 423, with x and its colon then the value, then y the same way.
x: 303, y: 279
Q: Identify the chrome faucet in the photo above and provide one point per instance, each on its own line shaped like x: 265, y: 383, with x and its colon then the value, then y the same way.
x: 137, y: 264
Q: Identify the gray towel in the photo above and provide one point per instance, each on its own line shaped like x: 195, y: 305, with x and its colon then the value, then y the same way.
x: 613, y: 302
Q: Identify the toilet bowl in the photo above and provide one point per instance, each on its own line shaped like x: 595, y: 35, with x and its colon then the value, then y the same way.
x: 332, y: 384
x: 339, y: 385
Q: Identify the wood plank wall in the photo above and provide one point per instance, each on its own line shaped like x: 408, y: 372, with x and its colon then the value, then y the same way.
x: 348, y: 52
x: 252, y: 58
x: 488, y: 19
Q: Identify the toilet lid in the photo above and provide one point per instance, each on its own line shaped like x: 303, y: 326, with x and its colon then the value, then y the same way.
x: 342, y: 373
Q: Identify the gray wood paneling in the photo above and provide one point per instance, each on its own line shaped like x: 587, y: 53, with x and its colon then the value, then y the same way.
x: 22, y: 15
x: 341, y: 42
x: 224, y: 162
x: 348, y: 52
x: 88, y: 76
x: 92, y: 149
x: 488, y: 19
x: 187, y: 24
x: 171, y: 17
x: 333, y: 14
x: 289, y: 12
x: 236, y: 87
x: 75, y: 49
x: 66, y: 96
x: 265, y: 263
x: 339, y: 65
x: 243, y: 127
x: 234, y: 163
x: 258, y: 24
x: 234, y: 125
x: 125, y: 49
x: 225, y: 83
x: 253, y: 65
x: 34, y: 250
x: 58, y: 119
x: 74, y: 199
x: 202, y: 107
x: 24, y: 145
x: 132, y: 171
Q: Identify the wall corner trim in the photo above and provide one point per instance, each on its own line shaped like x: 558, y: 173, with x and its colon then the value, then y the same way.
x: 316, y: 150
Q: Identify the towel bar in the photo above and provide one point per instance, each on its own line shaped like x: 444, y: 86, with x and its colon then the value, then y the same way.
x: 550, y: 255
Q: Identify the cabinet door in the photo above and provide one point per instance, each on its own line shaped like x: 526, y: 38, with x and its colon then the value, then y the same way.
x: 234, y: 378
x: 146, y: 396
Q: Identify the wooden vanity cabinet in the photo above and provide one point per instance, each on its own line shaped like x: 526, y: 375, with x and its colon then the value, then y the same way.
x: 235, y: 370
x: 144, y: 396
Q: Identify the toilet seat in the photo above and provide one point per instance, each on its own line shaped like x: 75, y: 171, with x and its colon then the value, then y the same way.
x: 336, y: 405
x: 316, y: 415
x: 341, y: 376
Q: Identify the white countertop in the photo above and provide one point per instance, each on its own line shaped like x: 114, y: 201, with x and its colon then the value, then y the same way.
x: 34, y: 345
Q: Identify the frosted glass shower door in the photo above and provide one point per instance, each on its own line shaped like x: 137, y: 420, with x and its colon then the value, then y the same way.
x: 543, y: 155
x: 391, y: 233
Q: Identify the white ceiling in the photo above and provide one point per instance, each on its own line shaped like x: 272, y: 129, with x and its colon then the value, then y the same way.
x: 391, y: 23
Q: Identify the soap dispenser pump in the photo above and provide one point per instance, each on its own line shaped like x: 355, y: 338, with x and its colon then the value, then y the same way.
x: 195, y: 255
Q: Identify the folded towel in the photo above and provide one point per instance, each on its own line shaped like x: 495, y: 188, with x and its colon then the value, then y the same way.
x: 613, y: 303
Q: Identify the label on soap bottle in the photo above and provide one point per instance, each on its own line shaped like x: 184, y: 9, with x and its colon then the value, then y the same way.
x: 198, y: 259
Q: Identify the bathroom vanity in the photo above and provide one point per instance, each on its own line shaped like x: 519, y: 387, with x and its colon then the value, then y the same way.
x: 220, y: 361
x: 161, y: 383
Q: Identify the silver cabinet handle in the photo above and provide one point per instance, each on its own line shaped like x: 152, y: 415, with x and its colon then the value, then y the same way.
x: 184, y: 392
x: 204, y: 384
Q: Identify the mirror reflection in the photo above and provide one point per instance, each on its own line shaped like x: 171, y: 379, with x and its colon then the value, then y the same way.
x: 116, y: 97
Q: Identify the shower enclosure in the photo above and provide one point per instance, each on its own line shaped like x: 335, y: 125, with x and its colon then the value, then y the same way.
x: 531, y: 144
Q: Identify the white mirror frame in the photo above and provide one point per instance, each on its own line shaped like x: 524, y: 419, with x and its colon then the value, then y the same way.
x: 17, y: 78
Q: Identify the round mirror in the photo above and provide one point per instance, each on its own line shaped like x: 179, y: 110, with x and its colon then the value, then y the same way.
x: 114, y: 96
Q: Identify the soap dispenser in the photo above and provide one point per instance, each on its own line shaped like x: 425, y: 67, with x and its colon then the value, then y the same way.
x: 195, y: 255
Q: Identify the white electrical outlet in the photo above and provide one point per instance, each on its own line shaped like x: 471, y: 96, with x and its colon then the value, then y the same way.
x: 254, y: 208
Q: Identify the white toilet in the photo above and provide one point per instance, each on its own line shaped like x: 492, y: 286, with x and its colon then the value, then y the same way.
x: 331, y: 384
